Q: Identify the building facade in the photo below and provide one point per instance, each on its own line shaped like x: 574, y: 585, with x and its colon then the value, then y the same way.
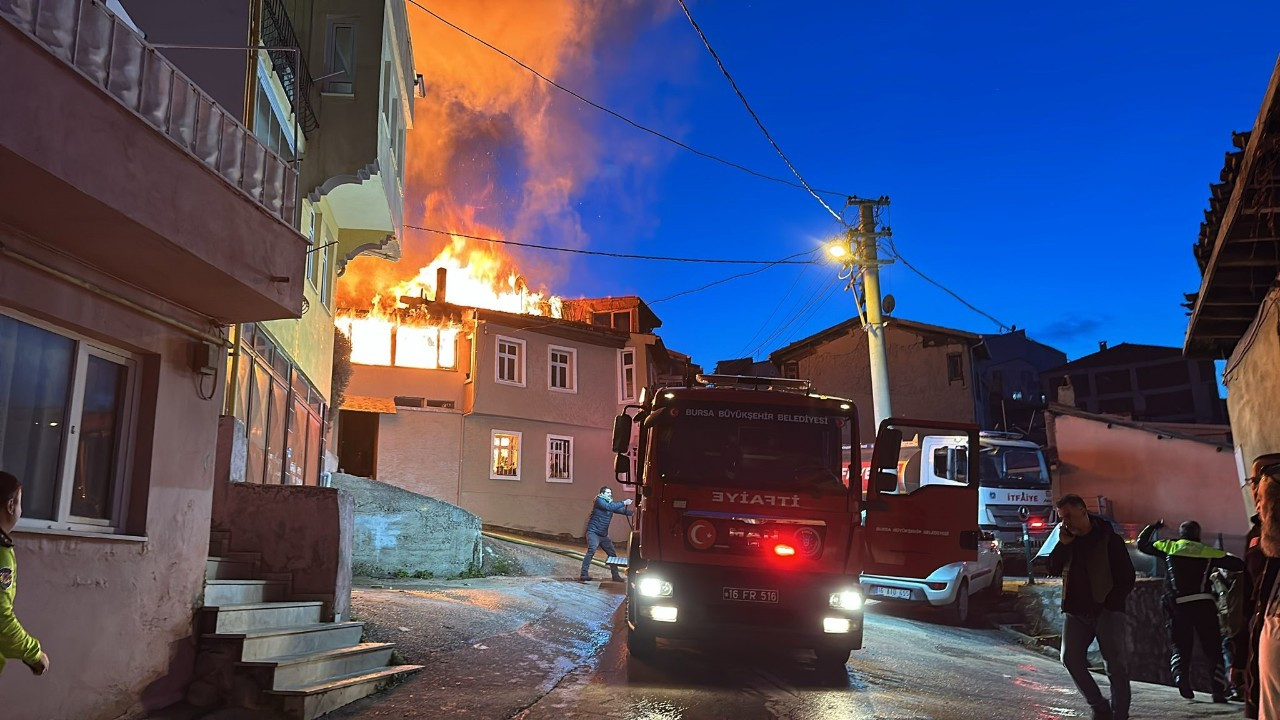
x: 132, y: 232
x: 513, y: 422
x: 1142, y: 382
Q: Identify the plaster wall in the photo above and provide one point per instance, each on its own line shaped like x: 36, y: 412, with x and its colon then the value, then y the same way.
x: 388, y: 382
x: 420, y: 450
x: 308, y: 340
x: 400, y: 531
x: 115, y: 613
x: 297, y: 529
x: 530, y: 502
x: 918, y: 382
x: 1252, y: 388
x: 1148, y: 478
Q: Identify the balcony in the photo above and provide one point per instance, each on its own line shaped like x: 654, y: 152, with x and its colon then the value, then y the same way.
x: 115, y: 158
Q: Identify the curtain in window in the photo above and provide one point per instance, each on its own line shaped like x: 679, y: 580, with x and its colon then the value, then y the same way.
x: 35, y: 377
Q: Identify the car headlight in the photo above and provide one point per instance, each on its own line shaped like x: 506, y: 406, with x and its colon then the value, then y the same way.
x: 846, y: 600
x: 654, y: 587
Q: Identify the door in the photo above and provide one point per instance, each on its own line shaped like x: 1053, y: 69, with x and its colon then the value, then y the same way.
x: 912, y: 528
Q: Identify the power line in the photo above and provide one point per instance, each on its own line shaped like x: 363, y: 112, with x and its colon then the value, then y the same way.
x: 777, y: 306
x: 626, y: 256
x: 755, y: 117
x: 620, y: 116
x: 731, y: 277
x: 898, y: 256
x: 817, y: 297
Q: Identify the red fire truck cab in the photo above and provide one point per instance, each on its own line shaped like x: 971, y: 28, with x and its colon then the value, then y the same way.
x: 745, y: 527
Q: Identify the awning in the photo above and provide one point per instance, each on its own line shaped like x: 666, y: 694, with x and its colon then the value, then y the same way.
x: 362, y: 403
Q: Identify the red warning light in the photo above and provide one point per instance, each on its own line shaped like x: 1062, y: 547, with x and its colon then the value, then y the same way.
x: 784, y: 550
x: 1035, y: 524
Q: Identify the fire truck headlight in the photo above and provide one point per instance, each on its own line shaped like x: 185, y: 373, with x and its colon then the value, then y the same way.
x: 836, y: 625
x: 654, y: 587
x: 663, y: 613
x: 846, y: 600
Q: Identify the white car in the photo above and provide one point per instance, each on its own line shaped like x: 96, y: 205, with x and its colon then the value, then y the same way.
x: 953, y: 588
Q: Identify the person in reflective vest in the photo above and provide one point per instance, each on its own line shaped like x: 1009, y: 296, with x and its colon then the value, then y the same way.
x: 602, y: 512
x: 15, y: 642
x: 1189, y: 602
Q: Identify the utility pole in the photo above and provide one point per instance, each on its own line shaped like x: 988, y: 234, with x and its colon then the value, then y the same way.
x: 866, y: 255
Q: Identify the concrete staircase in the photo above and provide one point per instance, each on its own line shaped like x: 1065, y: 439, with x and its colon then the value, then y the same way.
x: 260, y: 650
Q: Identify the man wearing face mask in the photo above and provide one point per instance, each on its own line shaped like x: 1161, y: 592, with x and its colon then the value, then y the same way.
x: 602, y: 513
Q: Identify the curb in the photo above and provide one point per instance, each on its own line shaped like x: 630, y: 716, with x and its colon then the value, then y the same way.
x: 1026, y: 641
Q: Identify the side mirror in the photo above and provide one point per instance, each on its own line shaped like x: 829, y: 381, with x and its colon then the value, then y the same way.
x: 622, y: 433
x: 622, y: 468
x: 884, y: 470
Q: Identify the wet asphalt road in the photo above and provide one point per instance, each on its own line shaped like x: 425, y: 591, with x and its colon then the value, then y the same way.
x: 550, y: 648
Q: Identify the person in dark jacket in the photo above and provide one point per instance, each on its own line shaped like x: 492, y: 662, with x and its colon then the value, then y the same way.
x: 602, y: 513
x: 1262, y: 571
x: 1097, y: 577
x: 1189, y: 606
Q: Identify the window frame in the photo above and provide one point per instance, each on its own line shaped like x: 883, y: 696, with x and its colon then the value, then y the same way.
x: 571, y: 369
x: 565, y: 438
x: 493, y: 446
x: 84, y: 348
x: 521, y: 354
x: 623, y: 397
x: 330, y: 48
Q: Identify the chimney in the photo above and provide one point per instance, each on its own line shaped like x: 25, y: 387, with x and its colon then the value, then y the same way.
x: 442, y: 283
x: 1101, y: 345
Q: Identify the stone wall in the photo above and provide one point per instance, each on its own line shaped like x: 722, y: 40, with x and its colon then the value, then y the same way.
x: 397, y: 531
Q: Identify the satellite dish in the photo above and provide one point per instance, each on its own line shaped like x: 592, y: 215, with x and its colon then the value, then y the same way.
x: 888, y: 304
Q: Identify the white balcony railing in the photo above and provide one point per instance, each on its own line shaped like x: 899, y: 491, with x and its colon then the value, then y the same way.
x: 108, y: 53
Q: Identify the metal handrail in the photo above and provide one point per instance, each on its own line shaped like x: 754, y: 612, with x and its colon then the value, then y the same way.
x: 278, y: 31
x: 108, y: 53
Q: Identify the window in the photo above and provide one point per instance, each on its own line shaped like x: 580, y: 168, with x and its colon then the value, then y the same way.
x: 505, y: 464
x: 271, y: 124
x: 791, y: 370
x: 310, y: 220
x: 563, y: 368
x: 405, y: 401
x: 426, y: 347
x: 619, y: 320
x: 67, y: 410
x: 559, y: 459
x: 282, y: 413
x: 325, y: 273
x: 627, y: 375
x: 341, y: 58
x: 955, y: 368
x: 510, y: 361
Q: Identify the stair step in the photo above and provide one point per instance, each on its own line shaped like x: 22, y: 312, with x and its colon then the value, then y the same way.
x: 307, y: 702
x: 261, y: 616
x: 296, y: 640
x: 220, y: 568
x: 241, y: 592
x: 297, y: 670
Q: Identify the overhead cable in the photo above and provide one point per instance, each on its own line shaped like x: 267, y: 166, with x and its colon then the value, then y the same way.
x: 620, y: 116
x: 790, y: 260
x: 755, y: 117
x: 731, y: 277
x: 898, y: 256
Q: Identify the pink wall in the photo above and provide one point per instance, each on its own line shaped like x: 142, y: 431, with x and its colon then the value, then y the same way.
x: 115, y: 614
x: 1148, y: 478
x: 300, y: 530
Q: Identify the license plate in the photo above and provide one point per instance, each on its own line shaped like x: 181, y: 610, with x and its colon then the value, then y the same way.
x: 899, y: 593
x: 750, y: 595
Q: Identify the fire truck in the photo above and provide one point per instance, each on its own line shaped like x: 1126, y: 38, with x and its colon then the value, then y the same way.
x: 745, y: 527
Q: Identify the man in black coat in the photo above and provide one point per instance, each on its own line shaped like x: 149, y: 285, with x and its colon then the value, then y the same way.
x: 602, y: 512
x: 1097, y: 577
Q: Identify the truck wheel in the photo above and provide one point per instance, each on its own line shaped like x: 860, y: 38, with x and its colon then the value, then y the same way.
x: 641, y: 644
x: 958, y: 611
x: 831, y: 658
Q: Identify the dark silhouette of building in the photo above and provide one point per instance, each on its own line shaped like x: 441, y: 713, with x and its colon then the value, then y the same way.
x: 1142, y: 382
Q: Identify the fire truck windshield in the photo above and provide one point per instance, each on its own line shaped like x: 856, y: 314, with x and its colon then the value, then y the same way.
x: 748, y: 447
x: 1012, y: 467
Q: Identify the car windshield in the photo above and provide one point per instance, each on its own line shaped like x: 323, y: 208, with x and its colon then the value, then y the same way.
x: 754, y: 448
x: 1012, y: 467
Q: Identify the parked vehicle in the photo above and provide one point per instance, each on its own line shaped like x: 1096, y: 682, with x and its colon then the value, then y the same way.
x: 745, y: 528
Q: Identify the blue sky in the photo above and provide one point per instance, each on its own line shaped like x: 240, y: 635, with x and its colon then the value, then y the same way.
x: 1049, y: 163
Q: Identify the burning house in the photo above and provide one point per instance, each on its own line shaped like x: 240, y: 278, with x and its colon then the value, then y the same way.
x: 473, y: 389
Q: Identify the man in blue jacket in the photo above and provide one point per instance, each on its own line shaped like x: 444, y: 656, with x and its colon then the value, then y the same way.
x: 598, y: 530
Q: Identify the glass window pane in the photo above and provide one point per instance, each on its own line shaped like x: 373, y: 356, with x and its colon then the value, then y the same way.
x: 296, y: 452
x: 311, y: 471
x: 97, y: 465
x: 259, y: 393
x: 275, y: 435
x: 35, y: 376
x: 244, y: 371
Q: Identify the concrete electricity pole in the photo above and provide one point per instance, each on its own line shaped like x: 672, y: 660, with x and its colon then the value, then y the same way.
x: 866, y: 255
